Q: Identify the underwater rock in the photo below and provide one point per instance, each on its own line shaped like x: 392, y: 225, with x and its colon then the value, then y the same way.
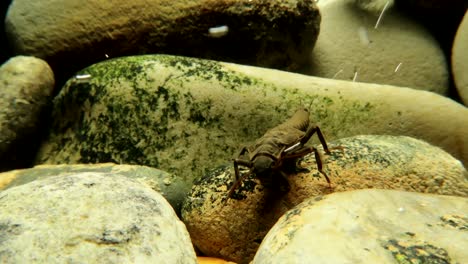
x: 460, y: 60
x: 233, y: 228
x: 169, y: 186
x: 72, y: 34
x: 185, y: 115
x: 370, y: 226
x: 26, y: 85
x: 90, y: 217
x: 350, y: 47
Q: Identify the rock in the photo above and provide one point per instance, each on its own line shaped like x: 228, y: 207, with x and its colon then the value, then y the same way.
x: 90, y: 217
x: 460, y: 60
x: 370, y: 226
x: 349, y: 47
x: 440, y: 17
x: 26, y: 85
x: 76, y: 34
x: 233, y: 228
x: 169, y: 186
x: 185, y: 115
x: 374, y: 6
x: 432, y: 7
x: 209, y: 260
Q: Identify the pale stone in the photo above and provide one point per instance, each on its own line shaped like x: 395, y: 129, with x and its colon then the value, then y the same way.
x: 382, y: 162
x: 370, y: 226
x: 26, y: 86
x: 90, y: 217
x: 460, y: 60
x: 355, y: 44
x: 169, y: 186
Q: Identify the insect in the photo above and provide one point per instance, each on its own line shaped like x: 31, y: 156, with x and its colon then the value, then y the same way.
x: 280, y: 145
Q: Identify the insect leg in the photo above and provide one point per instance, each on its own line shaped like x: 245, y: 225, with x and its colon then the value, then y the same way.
x: 238, y: 182
x: 318, y: 159
x: 304, y: 151
x: 242, y: 151
x: 310, y: 131
x: 242, y: 162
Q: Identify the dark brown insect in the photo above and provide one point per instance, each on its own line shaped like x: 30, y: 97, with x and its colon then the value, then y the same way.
x: 280, y: 145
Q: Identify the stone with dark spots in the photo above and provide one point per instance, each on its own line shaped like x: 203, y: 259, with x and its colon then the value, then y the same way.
x: 90, y: 217
x: 368, y: 226
x: 380, y: 162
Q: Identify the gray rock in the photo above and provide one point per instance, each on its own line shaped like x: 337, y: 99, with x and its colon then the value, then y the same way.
x: 90, y: 217
x: 172, y: 188
x: 185, y: 115
x: 76, y: 34
x: 370, y: 226
x: 382, y: 162
x: 460, y: 60
x: 350, y: 47
x: 26, y: 85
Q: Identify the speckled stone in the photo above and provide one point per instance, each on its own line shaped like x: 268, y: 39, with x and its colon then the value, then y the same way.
x: 72, y: 34
x: 233, y: 228
x: 90, y: 217
x: 169, y: 186
x: 185, y: 115
x: 26, y: 85
x: 370, y: 226
x: 350, y: 47
x: 460, y: 60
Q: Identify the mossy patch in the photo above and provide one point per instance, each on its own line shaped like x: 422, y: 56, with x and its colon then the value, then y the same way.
x: 178, y: 114
x: 408, y: 253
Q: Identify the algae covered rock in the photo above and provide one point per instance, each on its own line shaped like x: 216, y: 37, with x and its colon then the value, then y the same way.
x: 90, y: 217
x: 185, y: 115
x: 169, y: 186
x: 370, y: 226
x: 233, y: 228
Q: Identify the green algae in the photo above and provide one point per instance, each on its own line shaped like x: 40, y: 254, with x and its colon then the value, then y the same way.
x: 144, y: 109
x: 404, y: 252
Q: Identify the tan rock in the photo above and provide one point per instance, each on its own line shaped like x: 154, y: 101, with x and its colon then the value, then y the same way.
x: 26, y: 86
x: 233, y: 228
x: 360, y: 45
x: 73, y: 34
x: 460, y: 60
x: 370, y: 226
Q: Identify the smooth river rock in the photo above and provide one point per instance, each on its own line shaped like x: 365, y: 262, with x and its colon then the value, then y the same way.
x: 460, y: 60
x: 72, y: 34
x: 233, y: 228
x: 169, y: 186
x: 185, y: 115
x: 90, y: 217
x: 353, y: 46
x: 26, y: 85
x: 370, y: 226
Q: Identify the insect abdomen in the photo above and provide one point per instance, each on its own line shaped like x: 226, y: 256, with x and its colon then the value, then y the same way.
x: 300, y: 120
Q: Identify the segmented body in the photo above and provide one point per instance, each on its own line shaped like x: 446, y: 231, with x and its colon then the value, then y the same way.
x: 281, y: 136
x: 279, y: 146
